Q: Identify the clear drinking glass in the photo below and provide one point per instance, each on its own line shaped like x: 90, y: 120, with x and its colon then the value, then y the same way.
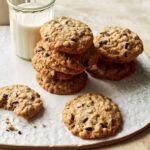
x: 26, y: 18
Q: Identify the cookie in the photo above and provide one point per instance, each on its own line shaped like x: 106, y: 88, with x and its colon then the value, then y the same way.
x: 61, y: 87
x: 112, y: 71
x: 92, y: 58
x: 67, y: 35
x: 69, y: 61
x: 92, y: 116
x: 50, y: 73
x: 42, y: 62
x: 21, y: 99
x: 117, y: 44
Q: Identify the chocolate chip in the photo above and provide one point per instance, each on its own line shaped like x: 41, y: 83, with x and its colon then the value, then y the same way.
x: 48, y: 39
x: 5, y: 97
x: 103, y: 43
x: 46, y: 55
x: 38, y: 95
x: 74, y: 38
x: 136, y: 38
x: 85, y: 119
x: 72, y: 117
x: 14, y: 103
x: 66, y: 22
x: 73, y: 126
x: 92, y: 103
x: 80, y: 34
x: 103, y: 125
x: 82, y: 105
x: 105, y: 33
x: 55, y: 77
x: 89, y: 129
x: 128, y: 46
x: 123, y: 34
x: 126, y: 54
x: 40, y: 48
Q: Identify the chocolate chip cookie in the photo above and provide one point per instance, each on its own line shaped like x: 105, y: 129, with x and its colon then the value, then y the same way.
x: 69, y: 61
x: 67, y: 35
x: 51, y: 73
x: 21, y: 99
x: 112, y: 71
x: 61, y: 87
x: 117, y: 44
x: 42, y: 62
x: 92, y: 116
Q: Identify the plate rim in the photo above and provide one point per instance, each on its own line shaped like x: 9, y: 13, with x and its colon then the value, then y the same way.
x: 81, y: 147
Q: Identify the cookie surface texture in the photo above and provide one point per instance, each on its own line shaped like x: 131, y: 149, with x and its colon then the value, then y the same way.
x: 21, y: 99
x: 66, y: 60
x: 92, y: 116
x: 117, y: 44
x: 42, y: 64
x: 67, y: 35
x: 61, y: 87
x: 112, y: 71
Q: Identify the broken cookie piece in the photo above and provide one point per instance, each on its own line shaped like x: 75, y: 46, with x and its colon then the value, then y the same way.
x: 21, y: 99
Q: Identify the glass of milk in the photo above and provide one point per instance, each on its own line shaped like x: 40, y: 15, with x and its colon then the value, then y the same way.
x: 26, y: 18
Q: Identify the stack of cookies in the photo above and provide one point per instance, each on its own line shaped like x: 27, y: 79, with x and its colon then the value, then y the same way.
x: 118, y: 48
x: 62, y: 55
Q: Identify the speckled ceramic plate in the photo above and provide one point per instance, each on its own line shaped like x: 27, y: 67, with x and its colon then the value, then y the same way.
x: 131, y: 94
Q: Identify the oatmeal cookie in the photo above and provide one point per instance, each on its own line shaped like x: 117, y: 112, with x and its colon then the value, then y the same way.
x: 67, y: 35
x: 67, y: 60
x: 112, y: 71
x: 61, y: 87
x: 117, y: 44
x: 42, y: 62
x: 51, y: 73
x: 21, y: 99
x: 92, y: 116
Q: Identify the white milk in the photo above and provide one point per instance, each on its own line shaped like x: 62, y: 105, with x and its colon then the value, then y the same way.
x: 24, y: 39
x: 26, y: 30
x: 4, y: 15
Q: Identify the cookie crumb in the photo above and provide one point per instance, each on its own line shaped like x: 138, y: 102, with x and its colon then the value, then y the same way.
x: 44, y: 126
x: 19, y: 132
x: 34, y: 126
x: 10, y: 126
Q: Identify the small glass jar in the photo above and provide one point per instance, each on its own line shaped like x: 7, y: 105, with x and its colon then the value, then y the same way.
x: 26, y: 18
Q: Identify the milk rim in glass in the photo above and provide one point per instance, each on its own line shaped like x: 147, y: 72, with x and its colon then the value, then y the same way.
x: 26, y: 18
